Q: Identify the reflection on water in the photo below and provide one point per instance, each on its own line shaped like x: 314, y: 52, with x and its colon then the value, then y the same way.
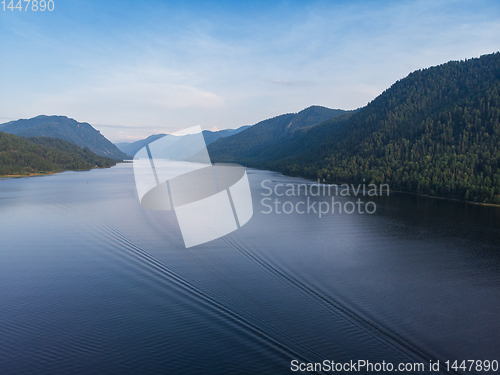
x: 93, y: 283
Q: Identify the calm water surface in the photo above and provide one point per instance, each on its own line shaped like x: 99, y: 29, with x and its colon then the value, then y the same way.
x: 92, y: 283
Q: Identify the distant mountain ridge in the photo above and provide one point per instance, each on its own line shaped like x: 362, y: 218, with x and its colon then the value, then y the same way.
x: 209, y: 136
x: 62, y: 127
x: 131, y: 148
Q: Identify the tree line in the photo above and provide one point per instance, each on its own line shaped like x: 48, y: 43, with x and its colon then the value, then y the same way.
x: 20, y: 156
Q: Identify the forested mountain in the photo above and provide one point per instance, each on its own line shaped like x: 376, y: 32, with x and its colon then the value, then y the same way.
x: 25, y: 156
x: 263, y: 140
x: 209, y: 136
x: 79, y: 133
x: 434, y: 132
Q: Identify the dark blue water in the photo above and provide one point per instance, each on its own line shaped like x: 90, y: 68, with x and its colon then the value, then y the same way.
x: 92, y: 283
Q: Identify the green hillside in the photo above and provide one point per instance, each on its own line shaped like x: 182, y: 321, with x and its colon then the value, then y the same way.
x: 20, y: 156
x: 261, y: 142
x: 79, y: 133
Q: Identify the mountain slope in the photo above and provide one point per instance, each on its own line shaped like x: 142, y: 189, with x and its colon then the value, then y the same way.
x: 434, y: 132
x: 260, y: 142
x: 211, y: 137
x: 25, y: 156
x: 79, y: 133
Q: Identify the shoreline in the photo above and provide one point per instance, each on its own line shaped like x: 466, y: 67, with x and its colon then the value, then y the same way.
x: 28, y: 175
x: 390, y: 191
x: 444, y: 198
x: 53, y: 172
x: 396, y: 191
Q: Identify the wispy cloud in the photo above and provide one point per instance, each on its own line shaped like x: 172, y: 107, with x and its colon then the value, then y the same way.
x: 292, y: 83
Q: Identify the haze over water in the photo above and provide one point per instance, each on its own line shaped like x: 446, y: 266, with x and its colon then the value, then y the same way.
x: 91, y: 282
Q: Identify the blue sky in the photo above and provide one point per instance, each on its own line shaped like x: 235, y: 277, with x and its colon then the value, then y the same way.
x: 133, y: 68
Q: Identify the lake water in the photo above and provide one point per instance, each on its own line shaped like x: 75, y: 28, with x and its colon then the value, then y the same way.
x: 92, y: 283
